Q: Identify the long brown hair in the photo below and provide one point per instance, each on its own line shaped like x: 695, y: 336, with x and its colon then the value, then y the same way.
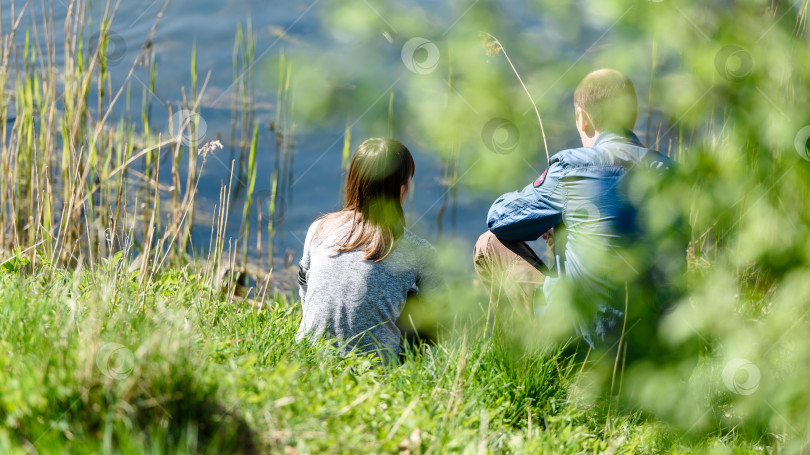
x: 379, y: 169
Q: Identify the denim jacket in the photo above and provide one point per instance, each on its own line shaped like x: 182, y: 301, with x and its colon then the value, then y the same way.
x: 583, y: 196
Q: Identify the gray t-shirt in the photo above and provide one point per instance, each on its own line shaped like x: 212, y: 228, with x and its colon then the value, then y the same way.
x: 359, y: 301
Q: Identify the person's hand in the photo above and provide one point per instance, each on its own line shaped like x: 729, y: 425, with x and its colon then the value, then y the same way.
x: 549, y: 238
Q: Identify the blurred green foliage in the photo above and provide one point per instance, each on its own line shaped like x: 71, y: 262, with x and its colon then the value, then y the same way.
x: 89, y: 363
x: 723, y: 89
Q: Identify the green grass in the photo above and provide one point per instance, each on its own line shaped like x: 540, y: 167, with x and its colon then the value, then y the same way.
x: 97, y: 359
x: 89, y: 365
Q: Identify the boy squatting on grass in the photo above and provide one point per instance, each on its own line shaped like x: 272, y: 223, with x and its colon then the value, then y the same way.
x: 582, y: 206
x: 360, y: 264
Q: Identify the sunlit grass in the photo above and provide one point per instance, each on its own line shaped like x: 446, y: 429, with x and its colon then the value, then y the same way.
x: 89, y: 365
x: 96, y: 264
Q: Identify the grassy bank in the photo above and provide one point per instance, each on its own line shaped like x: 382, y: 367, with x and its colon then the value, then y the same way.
x: 113, y: 339
x: 88, y: 364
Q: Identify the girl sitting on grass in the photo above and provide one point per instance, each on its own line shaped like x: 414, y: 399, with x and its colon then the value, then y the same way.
x: 360, y: 263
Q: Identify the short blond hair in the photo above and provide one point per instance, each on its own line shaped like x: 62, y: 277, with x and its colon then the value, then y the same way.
x: 609, y: 98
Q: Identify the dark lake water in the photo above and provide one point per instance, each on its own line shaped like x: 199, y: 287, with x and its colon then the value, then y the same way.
x: 303, y: 32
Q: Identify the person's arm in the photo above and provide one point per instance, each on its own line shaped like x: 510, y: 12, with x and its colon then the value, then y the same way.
x: 430, y: 280
x: 302, y: 277
x: 528, y: 214
x: 418, y: 319
x: 303, y: 266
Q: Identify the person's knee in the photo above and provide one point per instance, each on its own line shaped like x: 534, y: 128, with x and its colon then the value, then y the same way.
x: 484, y: 254
x: 483, y: 245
